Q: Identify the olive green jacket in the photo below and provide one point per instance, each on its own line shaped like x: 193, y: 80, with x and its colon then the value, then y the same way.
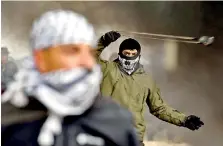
x: 134, y: 92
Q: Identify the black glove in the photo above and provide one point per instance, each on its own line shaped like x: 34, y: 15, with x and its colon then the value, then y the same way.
x: 110, y: 37
x: 193, y: 122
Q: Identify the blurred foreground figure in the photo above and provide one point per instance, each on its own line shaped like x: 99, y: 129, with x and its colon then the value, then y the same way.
x: 126, y: 82
x: 55, y: 98
x: 8, y: 66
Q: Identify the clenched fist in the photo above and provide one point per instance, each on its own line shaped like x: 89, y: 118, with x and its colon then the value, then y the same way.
x: 110, y: 37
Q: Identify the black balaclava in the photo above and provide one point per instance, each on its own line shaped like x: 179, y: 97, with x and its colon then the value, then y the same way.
x: 129, y: 64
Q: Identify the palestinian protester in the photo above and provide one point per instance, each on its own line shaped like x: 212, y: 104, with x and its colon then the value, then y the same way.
x: 8, y: 66
x: 55, y: 97
x: 125, y: 80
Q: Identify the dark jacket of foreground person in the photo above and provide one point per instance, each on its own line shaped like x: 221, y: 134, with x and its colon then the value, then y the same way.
x: 104, y: 124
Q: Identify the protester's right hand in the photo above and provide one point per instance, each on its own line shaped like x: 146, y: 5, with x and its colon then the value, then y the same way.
x: 110, y: 37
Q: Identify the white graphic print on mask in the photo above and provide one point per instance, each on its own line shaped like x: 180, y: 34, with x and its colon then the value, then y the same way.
x: 128, y: 65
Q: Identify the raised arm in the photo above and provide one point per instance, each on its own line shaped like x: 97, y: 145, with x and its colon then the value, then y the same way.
x: 103, y: 42
x: 162, y: 111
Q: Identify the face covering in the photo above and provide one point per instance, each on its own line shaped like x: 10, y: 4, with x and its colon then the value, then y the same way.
x: 128, y: 65
x: 63, y: 93
x: 77, y: 86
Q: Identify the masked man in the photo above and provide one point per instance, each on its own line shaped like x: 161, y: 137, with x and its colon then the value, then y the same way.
x: 9, y: 67
x: 55, y: 98
x: 127, y: 83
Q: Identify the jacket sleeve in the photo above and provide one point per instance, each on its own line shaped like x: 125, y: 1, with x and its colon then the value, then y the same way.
x: 100, y: 47
x: 161, y: 110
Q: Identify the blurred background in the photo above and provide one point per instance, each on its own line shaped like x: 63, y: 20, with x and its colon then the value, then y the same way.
x: 190, y: 79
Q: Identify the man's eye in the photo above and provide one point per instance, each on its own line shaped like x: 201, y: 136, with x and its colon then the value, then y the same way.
x: 72, y: 50
x: 76, y: 49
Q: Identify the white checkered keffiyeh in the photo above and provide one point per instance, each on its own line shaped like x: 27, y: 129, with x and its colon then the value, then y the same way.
x: 56, y: 28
